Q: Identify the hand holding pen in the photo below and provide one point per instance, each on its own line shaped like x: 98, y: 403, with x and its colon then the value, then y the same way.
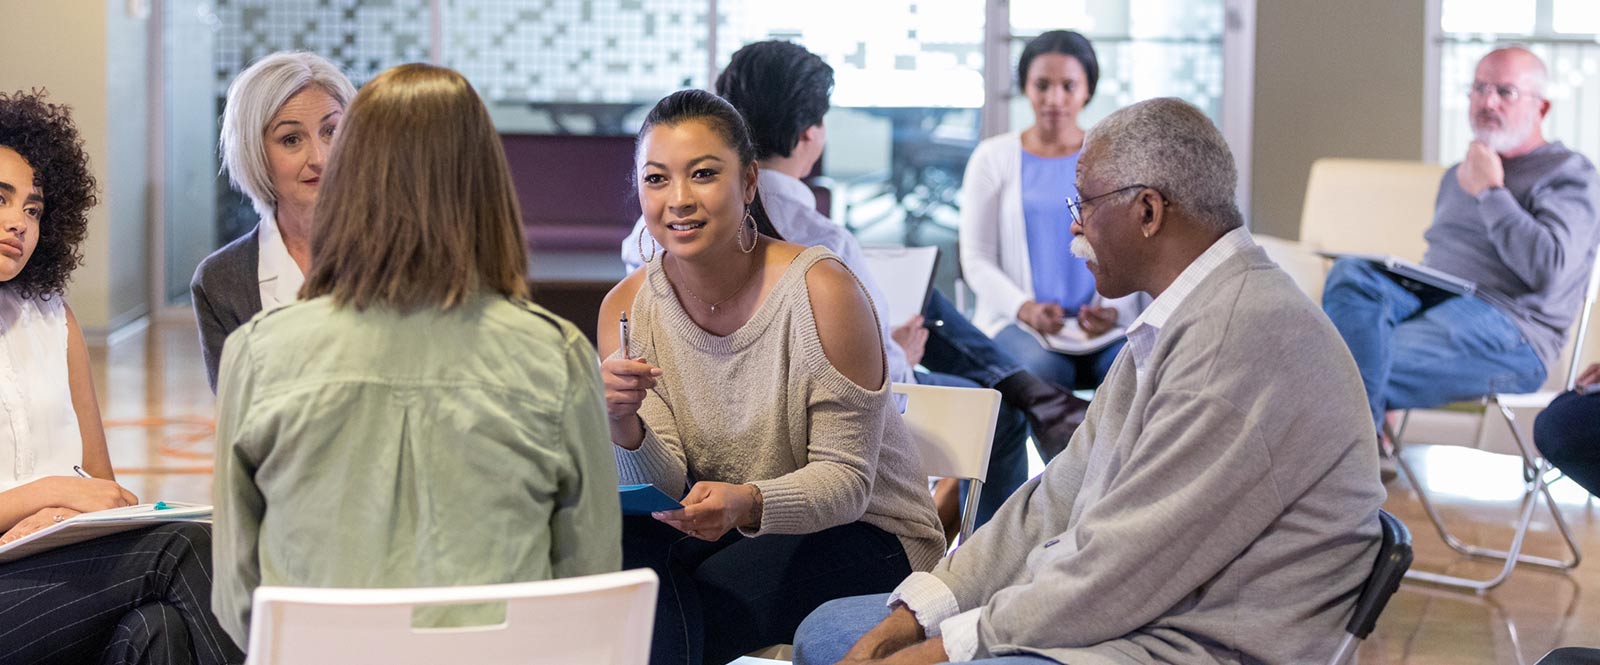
x: 627, y: 380
x: 1096, y: 318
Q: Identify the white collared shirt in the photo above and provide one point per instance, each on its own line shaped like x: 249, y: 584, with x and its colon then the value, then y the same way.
x: 277, y: 275
x: 928, y: 597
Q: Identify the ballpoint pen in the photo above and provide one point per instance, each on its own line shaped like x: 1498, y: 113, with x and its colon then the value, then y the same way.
x: 622, y: 331
x: 79, y: 470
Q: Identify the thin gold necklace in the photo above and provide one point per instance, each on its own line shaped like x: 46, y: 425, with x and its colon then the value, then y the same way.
x: 684, y: 284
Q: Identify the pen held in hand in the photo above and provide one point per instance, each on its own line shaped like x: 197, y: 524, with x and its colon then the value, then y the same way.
x: 622, y: 332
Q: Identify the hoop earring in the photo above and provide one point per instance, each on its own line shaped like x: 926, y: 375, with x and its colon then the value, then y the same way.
x: 749, y: 221
x: 653, y: 247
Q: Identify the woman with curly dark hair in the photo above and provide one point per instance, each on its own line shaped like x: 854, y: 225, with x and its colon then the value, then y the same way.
x: 138, y: 596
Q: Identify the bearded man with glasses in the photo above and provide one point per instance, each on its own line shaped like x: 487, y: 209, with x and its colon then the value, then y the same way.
x: 1517, y: 217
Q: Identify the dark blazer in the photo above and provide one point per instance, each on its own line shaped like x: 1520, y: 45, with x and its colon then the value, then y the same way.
x: 226, y: 293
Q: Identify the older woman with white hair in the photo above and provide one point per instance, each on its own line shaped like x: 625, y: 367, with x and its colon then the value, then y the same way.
x: 277, y: 129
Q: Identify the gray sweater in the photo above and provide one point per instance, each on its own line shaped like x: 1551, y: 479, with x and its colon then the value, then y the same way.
x: 1237, y: 503
x: 1529, y: 245
x: 765, y: 406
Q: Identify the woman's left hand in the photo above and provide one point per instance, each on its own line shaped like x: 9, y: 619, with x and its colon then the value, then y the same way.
x: 1096, y: 320
x: 37, y: 521
x: 712, y: 509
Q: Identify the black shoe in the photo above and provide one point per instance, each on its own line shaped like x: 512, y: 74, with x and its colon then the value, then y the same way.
x: 1053, y: 412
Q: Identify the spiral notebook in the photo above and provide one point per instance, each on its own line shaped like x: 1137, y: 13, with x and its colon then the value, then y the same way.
x: 88, y: 526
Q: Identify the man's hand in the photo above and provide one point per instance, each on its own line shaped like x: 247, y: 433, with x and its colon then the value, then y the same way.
x: 1096, y: 320
x: 1480, y: 170
x: 912, y: 337
x: 927, y: 652
x: 897, y: 631
x: 37, y: 521
x: 1589, y: 377
x: 1045, y: 317
x: 712, y: 509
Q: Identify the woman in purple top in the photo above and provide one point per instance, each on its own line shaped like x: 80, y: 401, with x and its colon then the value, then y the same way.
x: 1015, y: 223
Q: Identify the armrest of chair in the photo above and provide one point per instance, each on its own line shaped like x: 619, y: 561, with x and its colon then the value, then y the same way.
x: 1394, y: 557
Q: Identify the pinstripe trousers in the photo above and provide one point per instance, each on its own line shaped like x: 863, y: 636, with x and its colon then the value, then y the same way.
x: 130, y: 598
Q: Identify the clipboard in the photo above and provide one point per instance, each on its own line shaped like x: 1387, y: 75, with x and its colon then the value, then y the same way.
x: 905, y: 276
x: 1415, y: 272
x: 645, y: 499
x: 88, y: 526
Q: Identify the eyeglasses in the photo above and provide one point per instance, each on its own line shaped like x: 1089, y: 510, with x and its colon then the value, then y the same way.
x: 1075, y: 205
x: 1506, y: 93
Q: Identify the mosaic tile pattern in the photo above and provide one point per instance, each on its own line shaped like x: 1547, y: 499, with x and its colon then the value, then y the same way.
x: 363, y: 37
x: 578, y: 51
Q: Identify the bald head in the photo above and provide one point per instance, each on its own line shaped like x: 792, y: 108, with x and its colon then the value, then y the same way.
x: 1519, y: 63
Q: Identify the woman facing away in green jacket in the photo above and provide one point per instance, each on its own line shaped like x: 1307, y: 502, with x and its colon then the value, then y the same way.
x: 413, y: 420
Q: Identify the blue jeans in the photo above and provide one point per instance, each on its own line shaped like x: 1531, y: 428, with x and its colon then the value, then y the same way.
x: 1427, y: 348
x: 1008, y: 455
x: 1568, y: 434
x: 830, y: 631
x: 959, y: 348
x: 720, y: 600
x: 1068, y: 371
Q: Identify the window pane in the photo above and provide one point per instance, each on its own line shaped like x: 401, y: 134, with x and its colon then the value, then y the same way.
x: 1577, y: 16
x: 1146, y: 48
x: 1489, y: 16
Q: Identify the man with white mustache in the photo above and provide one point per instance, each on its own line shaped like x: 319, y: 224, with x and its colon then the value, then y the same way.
x: 1517, y: 216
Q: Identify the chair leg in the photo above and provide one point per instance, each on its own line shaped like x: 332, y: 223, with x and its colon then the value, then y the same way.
x: 1535, y: 470
x: 969, y: 512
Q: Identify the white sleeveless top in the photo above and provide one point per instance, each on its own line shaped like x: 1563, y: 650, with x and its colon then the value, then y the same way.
x: 38, y: 429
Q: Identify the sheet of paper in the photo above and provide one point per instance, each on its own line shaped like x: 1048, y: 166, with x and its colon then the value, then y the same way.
x: 905, y: 275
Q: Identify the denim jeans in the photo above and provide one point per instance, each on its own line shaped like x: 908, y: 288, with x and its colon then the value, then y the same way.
x: 720, y: 600
x: 825, y: 636
x: 1568, y: 434
x: 1008, y: 455
x: 959, y: 348
x: 1068, y: 371
x: 1424, y: 349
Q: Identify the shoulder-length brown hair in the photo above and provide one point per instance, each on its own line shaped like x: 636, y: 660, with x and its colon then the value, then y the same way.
x: 417, y: 208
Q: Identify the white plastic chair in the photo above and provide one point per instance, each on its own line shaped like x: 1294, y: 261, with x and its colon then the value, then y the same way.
x: 596, y: 620
x: 954, y: 430
x: 1536, y: 473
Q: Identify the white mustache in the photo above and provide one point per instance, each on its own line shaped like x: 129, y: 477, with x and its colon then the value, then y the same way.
x: 1080, y: 248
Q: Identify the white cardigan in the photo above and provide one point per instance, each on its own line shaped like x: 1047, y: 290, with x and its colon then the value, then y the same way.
x: 994, y: 238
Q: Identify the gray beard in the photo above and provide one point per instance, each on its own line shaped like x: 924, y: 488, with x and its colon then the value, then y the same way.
x: 1502, y: 140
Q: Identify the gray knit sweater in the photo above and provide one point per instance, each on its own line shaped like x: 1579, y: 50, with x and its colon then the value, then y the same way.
x: 1528, y: 245
x: 765, y: 406
x: 1237, y: 503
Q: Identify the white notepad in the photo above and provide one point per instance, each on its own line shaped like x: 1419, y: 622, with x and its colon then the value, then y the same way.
x: 1072, y: 340
x: 905, y: 275
x: 88, y: 526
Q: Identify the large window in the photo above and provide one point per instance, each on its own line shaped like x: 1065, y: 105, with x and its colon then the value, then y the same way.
x: 1562, y: 32
x: 908, y: 104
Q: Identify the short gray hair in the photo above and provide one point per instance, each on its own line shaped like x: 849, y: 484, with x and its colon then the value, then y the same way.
x: 253, y: 97
x: 1171, y: 146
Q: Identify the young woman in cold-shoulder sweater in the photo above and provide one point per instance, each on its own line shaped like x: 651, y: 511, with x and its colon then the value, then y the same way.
x: 753, y: 386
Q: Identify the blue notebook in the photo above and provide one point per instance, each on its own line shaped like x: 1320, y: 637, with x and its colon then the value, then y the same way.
x: 645, y: 499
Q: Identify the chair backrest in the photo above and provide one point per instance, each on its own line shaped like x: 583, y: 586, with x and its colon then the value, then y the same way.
x: 1369, y: 206
x: 599, y: 619
x: 1394, y: 557
x: 953, y: 427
